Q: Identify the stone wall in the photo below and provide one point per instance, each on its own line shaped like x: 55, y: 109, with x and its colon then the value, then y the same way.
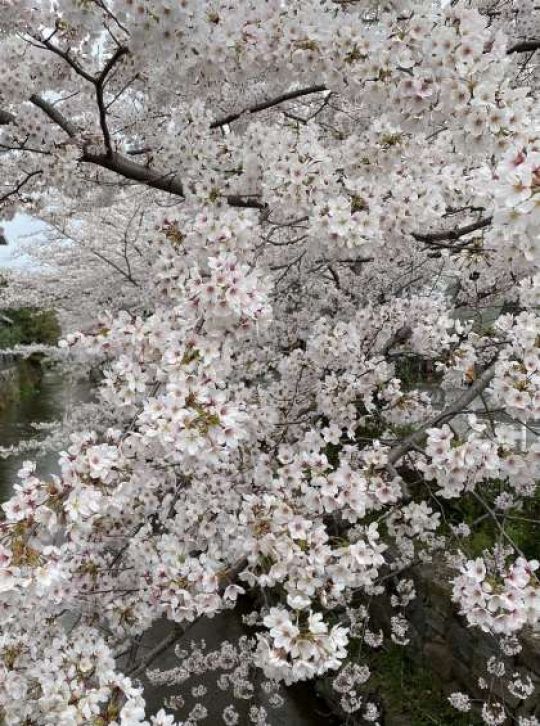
x: 9, y: 384
x: 18, y: 377
x: 442, y: 645
x: 458, y: 654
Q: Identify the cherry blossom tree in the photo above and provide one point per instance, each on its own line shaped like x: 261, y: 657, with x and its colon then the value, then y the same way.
x: 264, y: 215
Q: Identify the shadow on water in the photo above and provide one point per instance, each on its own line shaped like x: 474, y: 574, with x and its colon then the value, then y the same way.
x: 44, y: 395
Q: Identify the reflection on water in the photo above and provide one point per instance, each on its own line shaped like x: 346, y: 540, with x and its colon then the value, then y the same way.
x: 45, y: 400
x: 45, y: 396
x: 48, y: 399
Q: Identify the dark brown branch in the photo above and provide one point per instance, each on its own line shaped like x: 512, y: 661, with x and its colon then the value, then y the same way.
x: 122, y: 90
x: 253, y: 109
x: 525, y: 46
x: 291, y: 95
x: 247, y: 201
x: 79, y: 70
x: 454, y: 409
x: 20, y: 185
x: 335, y: 276
x: 164, y: 181
x: 452, y: 234
x: 22, y: 147
x: 111, y: 15
x: 6, y: 118
x: 112, y: 161
x: 97, y: 81
x: 55, y: 115
x: 100, y: 84
x: 139, y: 152
x: 116, y: 267
x: 109, y: 65
x: 119, y: 164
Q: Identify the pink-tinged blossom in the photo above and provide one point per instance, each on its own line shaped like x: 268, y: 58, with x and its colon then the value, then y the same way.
x: 272, y: 232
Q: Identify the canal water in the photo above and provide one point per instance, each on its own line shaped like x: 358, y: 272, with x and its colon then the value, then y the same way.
x: 34, y: 397
x: 48, y: 397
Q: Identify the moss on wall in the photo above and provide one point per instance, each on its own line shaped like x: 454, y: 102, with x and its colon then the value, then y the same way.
x: 19, y: 381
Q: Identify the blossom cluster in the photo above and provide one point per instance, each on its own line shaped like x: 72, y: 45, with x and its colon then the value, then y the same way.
x: 502, y: 601
x: 276, y: 232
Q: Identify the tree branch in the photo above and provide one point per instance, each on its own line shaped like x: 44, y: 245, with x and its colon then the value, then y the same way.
x: 112, y: 161
x: 20, y: 185
x: 289, y: 96
x: 97, y: 81
x: 164, y: 181
x: 247, y: 201
x: 116, y: 267
x: 79, y: 70
x: 452, y: 234
x: 55, y: 115
x: 111, y: 15
x: 100, y: 84
x: 396, y: 452
x: 525, y: 46
x: 119, y: 164
x: 6, y: 118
